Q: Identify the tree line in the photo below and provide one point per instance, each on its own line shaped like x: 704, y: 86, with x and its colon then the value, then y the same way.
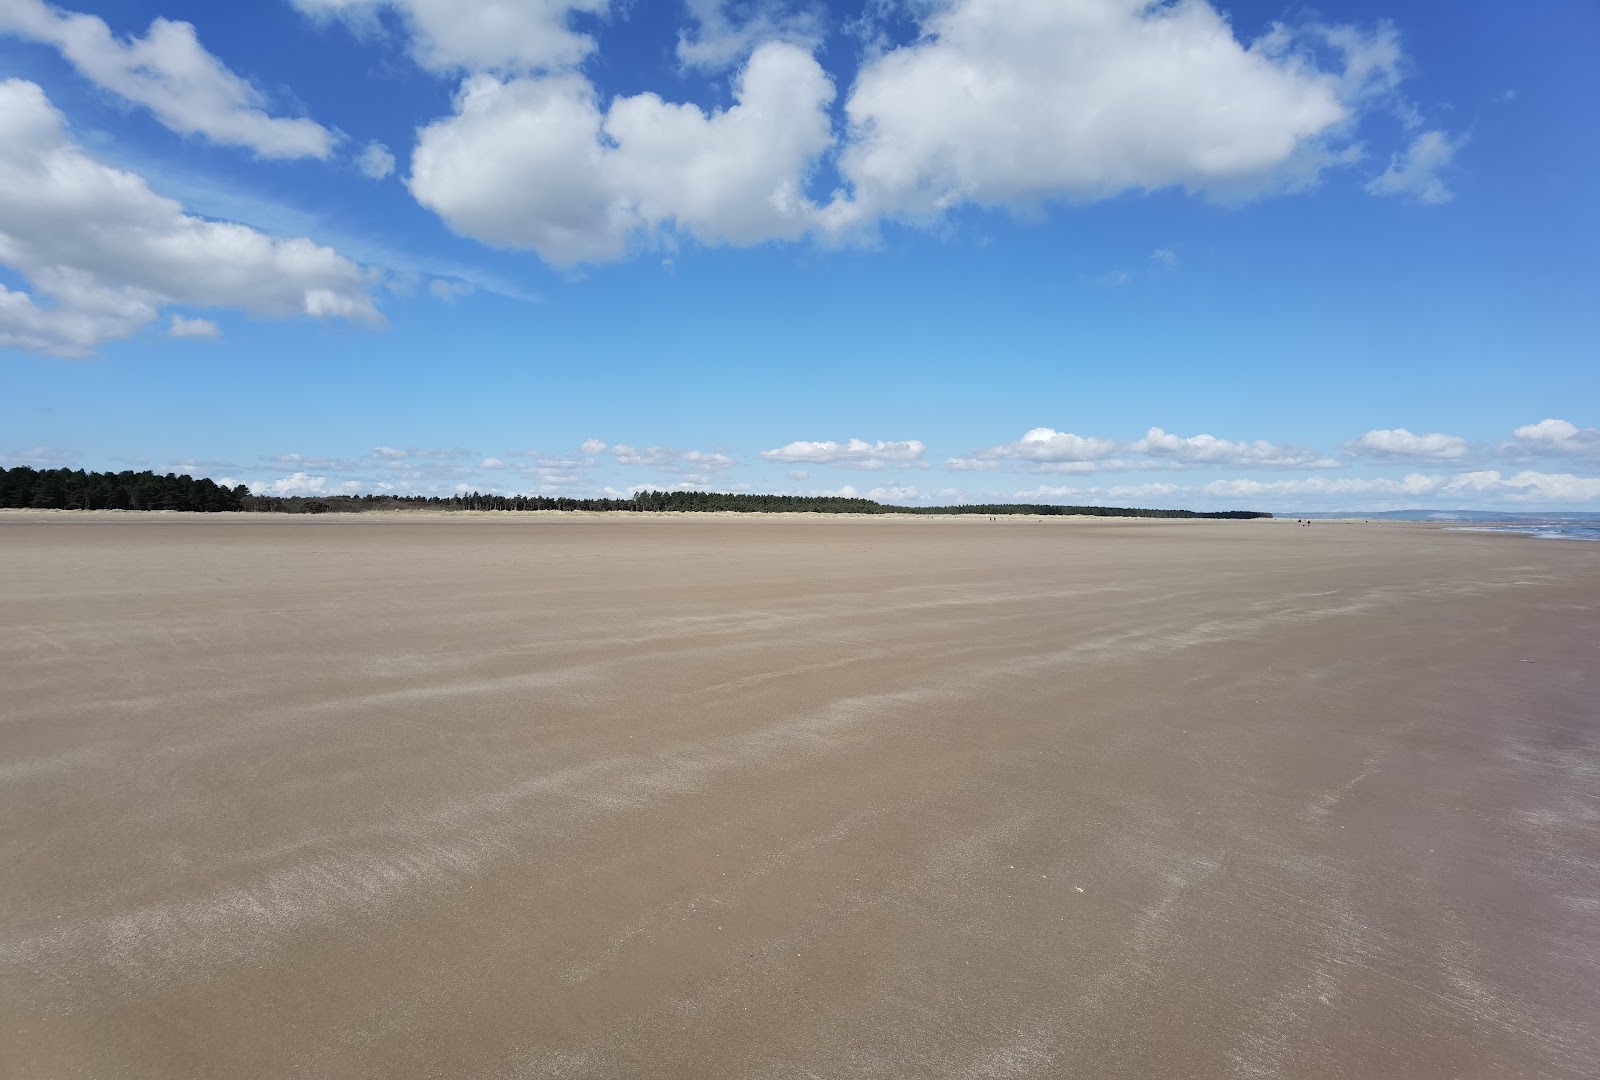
x: 75, y: 489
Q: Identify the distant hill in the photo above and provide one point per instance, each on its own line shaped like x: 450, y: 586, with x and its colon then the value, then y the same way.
x: 1487, y: 516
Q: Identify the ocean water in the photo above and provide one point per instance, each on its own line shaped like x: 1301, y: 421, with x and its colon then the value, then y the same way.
x: 1542, y: 532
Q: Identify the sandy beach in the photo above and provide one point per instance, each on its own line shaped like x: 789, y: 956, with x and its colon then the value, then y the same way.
x: 779, y: 797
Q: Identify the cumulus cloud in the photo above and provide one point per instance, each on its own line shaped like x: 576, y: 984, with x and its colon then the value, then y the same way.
x: 1015, y: 101
x: 192, y: 328
x: 535, y: 163
x: 1526, y: 486
x: 516, y: 37
x: 551, y: 474
x: 383, y: 470
x: 1476, y: 487
x: 106, y: 253
x: 375, y: 161
x: 1041, y: 445
x: 649, y: 455
x: 1557, y: 437
x: 853, y: 453
x: 476, y: 35
x: 724, y: 30
x: 1481, y: 485
x: 996, y: 102
x: 1400, y: 443
x: 1047, y: 450
x: 171, y: 74
x: 1413, y: 484
x: 298, y: 483
x: 1416, y: 173
x: 1099, y: 494
x: 1165, y: 258
x: 660, y: 457
x: 1210, y: 450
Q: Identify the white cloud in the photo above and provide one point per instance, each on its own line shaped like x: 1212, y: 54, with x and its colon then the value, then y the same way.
x: 551, y: 474
x: 40, y: 457
x: 192, y: 328
x: 1526, y: 486
x: 895, y: 493
x: 108, y: 253
x: 1486, y: 485
x: 449, y: 291
x: 389, y: 454
x: 660, y: 457
x: 534, y: 163
x: 298, y: 483
x: 477, y: 35
x: 171, y: 74
x: 1415, y: 173
x: 853, y: 453
x: 375, y: 161
x: 1047, y: 450
x: 1414, y: 484
x: 384, y: 470
x: 300, y: 463
x: 1079, y: 468
x: 1210, y: 450
x: 997, y: 102
x: 1039, y: 445
x: 1478, y: 488
x: 1014, y: 101
x: 725, y: 30
x: 649, y: 455
x: 1097, y: 494
x: 1557, y: 437
x: 798, y: 474
x: 200, y: 467
x: 1163, y: 257
x: 1400, y: 443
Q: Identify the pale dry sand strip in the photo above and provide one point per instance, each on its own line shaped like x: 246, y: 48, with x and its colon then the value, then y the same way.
x: 796, y: 798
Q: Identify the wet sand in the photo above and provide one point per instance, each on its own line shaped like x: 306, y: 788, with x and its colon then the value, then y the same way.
x: 562, y: 796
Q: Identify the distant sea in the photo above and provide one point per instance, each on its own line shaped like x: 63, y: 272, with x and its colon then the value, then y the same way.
x: 1543, y: 532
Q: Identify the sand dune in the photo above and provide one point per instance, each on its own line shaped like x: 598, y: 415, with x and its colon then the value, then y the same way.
x: 707, y: 796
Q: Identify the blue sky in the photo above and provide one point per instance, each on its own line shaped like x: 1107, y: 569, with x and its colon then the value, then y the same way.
x: 1217, y: 256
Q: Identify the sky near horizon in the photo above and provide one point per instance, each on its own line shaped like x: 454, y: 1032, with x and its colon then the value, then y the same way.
x: 1220, y: 256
